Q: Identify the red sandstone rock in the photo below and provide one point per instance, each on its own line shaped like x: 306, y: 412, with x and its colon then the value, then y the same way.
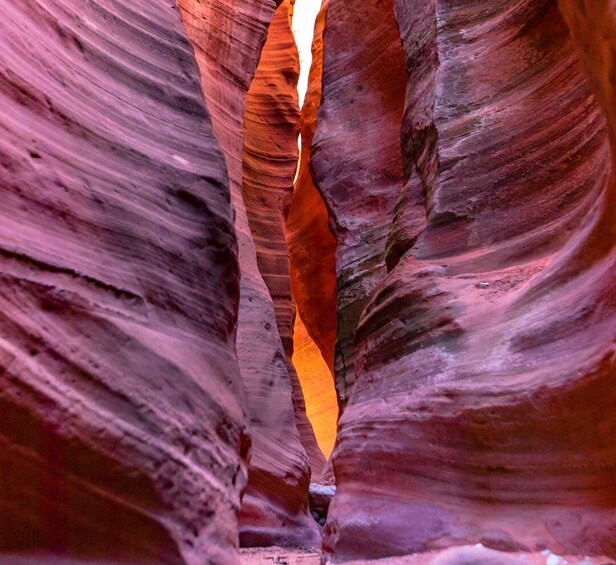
x: 483, y: 406
x: 312, y: 246
x: 356, y: 160
x: 228, y: 36
x: 476, y: 275
x: 121, y: 422
x: 271, y: 129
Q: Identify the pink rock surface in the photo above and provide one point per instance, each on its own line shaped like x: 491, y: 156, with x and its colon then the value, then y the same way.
x: 356, y: 161
x: 228, y: 37
x: 483, y: 406
x: 451, y: 230
x: 121, y: 423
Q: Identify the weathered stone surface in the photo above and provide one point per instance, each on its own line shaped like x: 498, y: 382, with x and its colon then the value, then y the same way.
x: 320, y: 497
x: 228, y: 37
x: 356, y: 161
x: 121, y: 423
x: 485, y: 364
x: 474, y: 257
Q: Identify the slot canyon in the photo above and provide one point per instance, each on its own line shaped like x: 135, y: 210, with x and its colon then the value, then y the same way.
x: 308, y: 281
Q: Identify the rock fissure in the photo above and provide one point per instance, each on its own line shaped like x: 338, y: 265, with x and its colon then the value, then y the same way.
x: 312, y: 255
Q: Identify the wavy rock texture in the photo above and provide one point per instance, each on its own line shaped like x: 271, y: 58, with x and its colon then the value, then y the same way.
x: 312, y: 256
x: 356, y: 160
x: 485, y: 388
x: 271, y: 128
x: 121, y: 426
x: 228, y: 37
x: 312, y: 246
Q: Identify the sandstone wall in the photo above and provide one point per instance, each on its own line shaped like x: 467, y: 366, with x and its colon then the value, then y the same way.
x: 228, y: 37
x: 312, y: 257
x: 121, y: 425
x: 481, y: 411
x: 356, y: 161
x: 271, y: 130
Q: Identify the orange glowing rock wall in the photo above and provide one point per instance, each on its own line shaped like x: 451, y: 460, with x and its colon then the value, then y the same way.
x: 318, y: 388
x: 312, y: 246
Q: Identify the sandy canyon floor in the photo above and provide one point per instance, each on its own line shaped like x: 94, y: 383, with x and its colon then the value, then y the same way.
x: 457, y: 556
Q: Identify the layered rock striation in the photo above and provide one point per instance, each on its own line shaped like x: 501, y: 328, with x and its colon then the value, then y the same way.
x: 356, y: 160
x: 122, y: 431
x: 228, y: 37
x: 484, y: 359
x: 271, y: 129
x: 448, y: 240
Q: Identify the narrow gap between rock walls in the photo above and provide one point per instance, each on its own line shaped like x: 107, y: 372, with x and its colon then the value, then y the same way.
x: 309, y: 358
x: 303, y: 27
x: 280, y: 201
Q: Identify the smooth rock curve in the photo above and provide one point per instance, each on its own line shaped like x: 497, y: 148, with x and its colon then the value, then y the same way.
x: 122, y: 425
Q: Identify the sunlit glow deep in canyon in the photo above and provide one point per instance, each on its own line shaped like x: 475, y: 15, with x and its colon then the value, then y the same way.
x: 315, y: 376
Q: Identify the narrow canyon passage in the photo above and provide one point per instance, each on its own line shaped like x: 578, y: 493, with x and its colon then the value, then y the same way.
x: 400, y: 225
x: 282, y: 220
x: 310, y: 274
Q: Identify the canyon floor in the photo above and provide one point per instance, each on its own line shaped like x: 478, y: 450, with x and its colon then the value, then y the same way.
x: 475, y: 555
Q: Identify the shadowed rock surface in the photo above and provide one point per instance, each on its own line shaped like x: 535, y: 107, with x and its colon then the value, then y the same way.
x: 320, y: 497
